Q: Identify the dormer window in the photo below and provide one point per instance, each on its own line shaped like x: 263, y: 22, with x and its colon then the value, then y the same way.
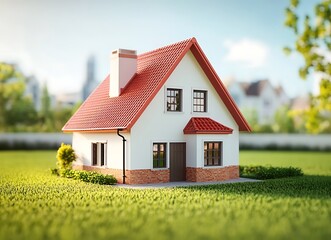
x: 199, y: 101
x: 174, y: 100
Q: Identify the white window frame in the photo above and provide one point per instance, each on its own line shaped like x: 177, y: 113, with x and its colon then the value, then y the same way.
x: 98, y: 164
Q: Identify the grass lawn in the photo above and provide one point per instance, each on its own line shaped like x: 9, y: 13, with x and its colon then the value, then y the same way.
x: 37, y: 205
x: 312, y: 163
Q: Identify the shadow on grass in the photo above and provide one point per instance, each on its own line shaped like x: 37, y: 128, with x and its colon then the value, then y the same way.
x: 306, y: 186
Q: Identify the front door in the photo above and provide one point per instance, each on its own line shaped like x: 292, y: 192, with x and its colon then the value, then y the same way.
x: 177, y: 162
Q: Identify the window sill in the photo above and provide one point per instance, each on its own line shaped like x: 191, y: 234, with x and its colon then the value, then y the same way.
x: 159, y: 169
x: 174, y: 112
x: 218, y: 166
x: 97, y: 166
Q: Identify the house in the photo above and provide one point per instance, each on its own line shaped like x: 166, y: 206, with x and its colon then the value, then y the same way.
x: 159, y: 116
x: 258, y: 97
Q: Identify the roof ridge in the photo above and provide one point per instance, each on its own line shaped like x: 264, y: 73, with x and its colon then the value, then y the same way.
x: 165, y: 47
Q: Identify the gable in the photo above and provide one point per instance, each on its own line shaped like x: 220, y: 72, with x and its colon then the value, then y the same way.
x: 102, y: 113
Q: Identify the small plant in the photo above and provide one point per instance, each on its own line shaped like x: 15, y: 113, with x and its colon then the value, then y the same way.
x: 65, y: 156
x: 55, y: 171
x: 268, y: 172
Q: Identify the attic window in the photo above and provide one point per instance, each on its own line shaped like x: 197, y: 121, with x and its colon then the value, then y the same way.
x: 174, y: 100
x: 199, y: 101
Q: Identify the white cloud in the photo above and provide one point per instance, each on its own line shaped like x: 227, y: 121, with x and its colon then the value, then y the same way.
x: 251, y: 53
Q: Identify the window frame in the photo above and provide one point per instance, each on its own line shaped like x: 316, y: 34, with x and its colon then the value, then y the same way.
x: 210, y: 154
x: 99, y: 154
x: 205, y: 101
x: 158, y: 153
x: 94, y: 154
x: 173, y: 97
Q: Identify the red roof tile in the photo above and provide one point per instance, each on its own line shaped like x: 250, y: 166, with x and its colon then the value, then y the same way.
x: 202, y: 125
x: 101, y: 113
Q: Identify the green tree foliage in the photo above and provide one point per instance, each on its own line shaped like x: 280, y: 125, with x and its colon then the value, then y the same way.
x: 15, y: 108
x: 45, y: 111
x: 17, y: 111
x: 313, y: 43
x: 65, y: 156
x: 284, y: 121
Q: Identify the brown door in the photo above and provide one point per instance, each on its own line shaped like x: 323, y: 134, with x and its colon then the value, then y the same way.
x: 177, y: 162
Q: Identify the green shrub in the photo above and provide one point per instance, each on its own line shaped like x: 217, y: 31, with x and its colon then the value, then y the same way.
x: 65, y: 156
x: 94, y: 177
x: 268, y: 172
x: 55, y: 171
x: 86, y: 176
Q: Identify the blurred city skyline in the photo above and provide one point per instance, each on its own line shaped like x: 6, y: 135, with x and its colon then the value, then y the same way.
x: 243, y: 39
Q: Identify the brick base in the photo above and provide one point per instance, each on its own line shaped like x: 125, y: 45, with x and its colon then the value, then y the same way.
x: 132, y: 176
x: 144, y: 176
x: 211, y: 174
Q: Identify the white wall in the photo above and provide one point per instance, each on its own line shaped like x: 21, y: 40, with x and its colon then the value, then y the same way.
x: 265, y: 111
x: 158, y: 125
x: 82, y: 144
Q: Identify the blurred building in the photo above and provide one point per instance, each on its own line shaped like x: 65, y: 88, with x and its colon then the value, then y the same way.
x: 71, y: 99
x: 300, y: 103
x: 68, y: 99
x: 90, y: 83
x: 259, y: 97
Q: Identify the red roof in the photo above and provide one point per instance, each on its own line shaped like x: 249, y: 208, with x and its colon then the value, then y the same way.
x: 101, y: 113
x: 202, y: 125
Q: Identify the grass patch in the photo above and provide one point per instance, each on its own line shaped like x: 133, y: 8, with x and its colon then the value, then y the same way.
x: 37, y: 205
x: 311, y: 163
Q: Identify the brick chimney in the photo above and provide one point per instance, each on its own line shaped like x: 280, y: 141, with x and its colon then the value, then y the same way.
x: 123, y: 66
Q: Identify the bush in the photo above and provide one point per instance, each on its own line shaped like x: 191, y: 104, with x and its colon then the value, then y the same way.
x: 55, y: 171
x: 87, y: 176
x: 65, y: 156
x: 268, y: 172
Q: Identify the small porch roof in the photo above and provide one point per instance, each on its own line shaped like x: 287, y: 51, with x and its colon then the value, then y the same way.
x: 205, y: 125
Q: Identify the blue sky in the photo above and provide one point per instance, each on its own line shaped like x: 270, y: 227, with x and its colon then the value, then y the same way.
x: 242, y: 39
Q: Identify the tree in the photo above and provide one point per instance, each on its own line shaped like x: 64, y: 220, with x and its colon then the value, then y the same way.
x: 46, y: 113
x: 313, y: 43
x: 12, y: 88
x: 284, y: 122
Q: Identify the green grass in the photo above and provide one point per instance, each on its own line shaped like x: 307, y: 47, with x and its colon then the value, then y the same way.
x: 312, y: 163
x: 37, y: 205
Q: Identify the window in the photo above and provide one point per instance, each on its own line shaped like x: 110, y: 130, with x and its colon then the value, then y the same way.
x: 213, y: 153
x: 99, y: 154
x: 103, y: 155
x: 199, y: 101
x: 94, y: 153
x: 174, y: 100
x: 159, y: 155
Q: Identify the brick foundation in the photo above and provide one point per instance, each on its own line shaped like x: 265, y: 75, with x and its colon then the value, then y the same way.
x: 211, y: 174
x: 160, y: 176
x: 132, y: 176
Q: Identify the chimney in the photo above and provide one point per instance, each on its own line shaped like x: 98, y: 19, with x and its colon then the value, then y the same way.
x: 123, y: 66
